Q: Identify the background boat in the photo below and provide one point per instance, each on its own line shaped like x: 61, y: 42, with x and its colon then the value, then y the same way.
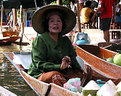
x: 96, y: 57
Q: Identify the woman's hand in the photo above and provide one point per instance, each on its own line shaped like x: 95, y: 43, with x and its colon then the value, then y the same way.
x: 66, y: 61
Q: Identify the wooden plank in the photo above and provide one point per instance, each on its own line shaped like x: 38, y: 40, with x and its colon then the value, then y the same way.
x: 101, y: 30
x: 5, y: 92
x: 1, y: 17
x: 115, y: 30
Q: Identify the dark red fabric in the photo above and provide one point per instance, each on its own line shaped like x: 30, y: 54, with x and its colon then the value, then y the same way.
x: 106, y: 11
x: 62, y: 77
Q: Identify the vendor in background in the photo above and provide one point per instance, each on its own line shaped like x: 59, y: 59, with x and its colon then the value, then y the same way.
x: 118, y: 16
x: 53, y: 56
x: 86, y: 15
x: 73, y: 6
x: 106, y: 16
x: 81, y: 4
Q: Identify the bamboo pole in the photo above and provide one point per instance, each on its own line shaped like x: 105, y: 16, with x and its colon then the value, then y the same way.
x: 22, y: 24
x: 1, y: 17
x: 14, y: 17
x: 21, y: 13
x: 78, y: 14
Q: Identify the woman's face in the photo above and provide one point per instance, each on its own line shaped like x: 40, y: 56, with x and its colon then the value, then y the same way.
x: 55, y: 24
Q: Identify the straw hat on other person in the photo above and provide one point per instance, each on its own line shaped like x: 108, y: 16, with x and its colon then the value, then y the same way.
x: 39, y: 17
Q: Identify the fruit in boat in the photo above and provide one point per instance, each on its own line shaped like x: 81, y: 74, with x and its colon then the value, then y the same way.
x: 110, y: 59
x: 117, y: 59
x: 108, y: 89
x: 90, y: 89
x: 119, y: 89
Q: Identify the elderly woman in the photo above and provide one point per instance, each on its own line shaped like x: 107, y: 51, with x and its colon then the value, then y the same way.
x: 53, y: 57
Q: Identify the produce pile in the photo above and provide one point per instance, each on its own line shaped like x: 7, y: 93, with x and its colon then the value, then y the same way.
x: 93, y: 88
x: 115, y: 60
x: 108, y: 89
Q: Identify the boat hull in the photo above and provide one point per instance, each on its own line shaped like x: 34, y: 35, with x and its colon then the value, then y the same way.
x: 39, y: 87
x: 10, y: 33
x: 9, y: 40
x: 95, y: 57
x: 42, y: 88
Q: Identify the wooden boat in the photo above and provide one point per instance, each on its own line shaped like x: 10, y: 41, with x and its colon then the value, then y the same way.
x: 8, y: 31
x: 8, y: 40
x: 21, y: 60
x: 9, y: 35
x: 95, y: 56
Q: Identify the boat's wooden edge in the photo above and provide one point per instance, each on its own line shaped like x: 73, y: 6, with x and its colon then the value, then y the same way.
x: 9, y: 56
x: 61, y: 91
x: 45, y: 89
x: 40, y: 87
x: 5, y: 92
x: 107, y: 69
x: 107, y: 53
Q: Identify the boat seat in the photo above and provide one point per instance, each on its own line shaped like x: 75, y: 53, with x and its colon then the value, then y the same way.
x: 92, y: 49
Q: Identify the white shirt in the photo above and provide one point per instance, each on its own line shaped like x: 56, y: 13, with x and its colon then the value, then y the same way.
x: 81, y: 1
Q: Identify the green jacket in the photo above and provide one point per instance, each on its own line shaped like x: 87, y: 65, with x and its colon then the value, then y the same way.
x: 47, y: 54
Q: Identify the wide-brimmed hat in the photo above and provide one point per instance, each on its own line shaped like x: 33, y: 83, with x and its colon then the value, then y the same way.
x: 39, y: 16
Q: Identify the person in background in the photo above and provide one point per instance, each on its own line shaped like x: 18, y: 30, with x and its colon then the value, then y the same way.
x: 106, y: 15
x: 118, y: 16
x: 53, y: 56
x: 73, y: 6
x: 94, y: 4
x: 81, y: 5
x: 86, y: 15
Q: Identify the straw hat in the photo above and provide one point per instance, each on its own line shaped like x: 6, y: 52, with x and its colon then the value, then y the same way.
x: 39, y: 17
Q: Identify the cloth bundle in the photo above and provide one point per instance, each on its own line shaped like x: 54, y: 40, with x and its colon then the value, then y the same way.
x: 73, y: 85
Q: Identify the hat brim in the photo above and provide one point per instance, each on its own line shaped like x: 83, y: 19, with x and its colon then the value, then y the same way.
x: 68, y: 14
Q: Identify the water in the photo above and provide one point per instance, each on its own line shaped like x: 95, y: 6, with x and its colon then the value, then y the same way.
x: 9, y: 76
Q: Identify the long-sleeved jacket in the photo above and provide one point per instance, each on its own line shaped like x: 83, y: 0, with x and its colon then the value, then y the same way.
x: 47, y: 54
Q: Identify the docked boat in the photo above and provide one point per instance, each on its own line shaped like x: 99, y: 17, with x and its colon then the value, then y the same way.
x: 9, y: 35
x: 8, y: 40
x: 96, y: 57
x: 22, y: 60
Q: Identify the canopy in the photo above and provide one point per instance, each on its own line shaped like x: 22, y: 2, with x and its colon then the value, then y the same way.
x: 8, y: 4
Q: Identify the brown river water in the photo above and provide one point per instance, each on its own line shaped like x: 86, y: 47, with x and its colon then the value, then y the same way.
x: 10, y: 79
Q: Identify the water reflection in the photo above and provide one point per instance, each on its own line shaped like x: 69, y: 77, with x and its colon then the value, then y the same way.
x: 9, y: 76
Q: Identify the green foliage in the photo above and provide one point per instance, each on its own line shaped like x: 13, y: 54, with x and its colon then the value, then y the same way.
x: 64, y: 2
x: 54, y: 2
